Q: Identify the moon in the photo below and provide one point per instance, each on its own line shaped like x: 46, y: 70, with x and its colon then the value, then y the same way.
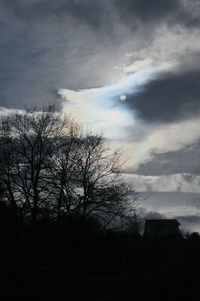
x: 123, y: 97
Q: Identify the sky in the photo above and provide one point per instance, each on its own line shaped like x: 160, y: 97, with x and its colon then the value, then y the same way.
x: 126, y: 68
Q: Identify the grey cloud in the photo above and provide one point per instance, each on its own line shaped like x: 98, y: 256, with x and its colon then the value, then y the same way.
x: 186, y: 160
x: 88, y: 11
x: 132, y: 13
x: 170, y: 202
x: 144, y: 9
x: 154, y: 215
x: 168, y: 97
x: 154, y: 12
x: 39, y: 54
x: 190, y: 218
x: 96, y: 12
x: 147, y: 10
x: 189, y: 223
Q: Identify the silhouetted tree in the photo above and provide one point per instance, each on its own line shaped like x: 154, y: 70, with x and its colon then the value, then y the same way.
x: 26, y: 142
x: 51, y: 168
x: 87, y: 180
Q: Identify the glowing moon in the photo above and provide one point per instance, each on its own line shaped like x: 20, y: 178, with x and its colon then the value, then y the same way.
x: 123, y: 98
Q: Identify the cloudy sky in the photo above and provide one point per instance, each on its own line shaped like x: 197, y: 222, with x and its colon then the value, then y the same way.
x: 126, y: 68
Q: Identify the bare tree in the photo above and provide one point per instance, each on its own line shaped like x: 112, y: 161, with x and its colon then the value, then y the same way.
x: 62, y: 170
x: 48, y: 164
x: 27, y: 141
x: 90, y: 182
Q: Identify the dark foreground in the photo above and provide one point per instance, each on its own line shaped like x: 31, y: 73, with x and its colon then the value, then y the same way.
x: 82, y: 263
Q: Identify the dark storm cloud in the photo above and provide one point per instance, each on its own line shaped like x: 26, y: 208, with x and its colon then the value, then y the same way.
x: 186, y: 160
x: 168, y: 97
x: 88, y: 11
x: 94, y: 11
x: 146, y: 10
x: 97, y: 12
x: 154, y: 12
